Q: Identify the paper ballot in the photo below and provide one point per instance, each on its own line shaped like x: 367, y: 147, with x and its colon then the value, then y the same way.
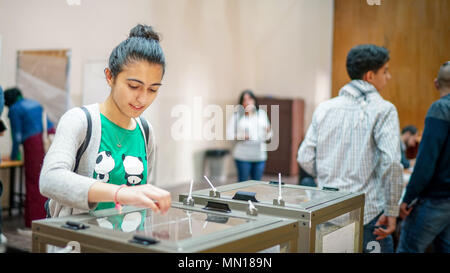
x: 340, y: 241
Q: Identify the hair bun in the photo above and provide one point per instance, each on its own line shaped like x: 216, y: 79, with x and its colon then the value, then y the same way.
x: 144, y: 31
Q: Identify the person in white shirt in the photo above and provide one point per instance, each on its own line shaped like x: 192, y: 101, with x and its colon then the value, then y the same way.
x: 250, y: 128
x: 353, y: 144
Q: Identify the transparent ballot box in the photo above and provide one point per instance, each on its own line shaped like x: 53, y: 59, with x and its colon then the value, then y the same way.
x: 182, y: 229
x: 329, y: 220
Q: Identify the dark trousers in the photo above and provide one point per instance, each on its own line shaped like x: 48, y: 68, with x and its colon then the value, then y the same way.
x: 371, y: 245
x: 33, y: 159
x: 427, y: 224
x: 1, y: 210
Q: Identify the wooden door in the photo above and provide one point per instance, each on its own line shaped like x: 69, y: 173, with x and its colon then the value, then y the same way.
x: 417, y: 34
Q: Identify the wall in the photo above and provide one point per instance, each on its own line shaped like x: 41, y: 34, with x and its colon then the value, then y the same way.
x: 214, y: 49
x: 417, y: 34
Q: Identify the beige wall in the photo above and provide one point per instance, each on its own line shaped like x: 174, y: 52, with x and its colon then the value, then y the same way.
x: 214, y: 49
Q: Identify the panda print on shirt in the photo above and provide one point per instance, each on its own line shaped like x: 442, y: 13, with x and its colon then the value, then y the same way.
x: 104, y: 165
x: 134, y: 169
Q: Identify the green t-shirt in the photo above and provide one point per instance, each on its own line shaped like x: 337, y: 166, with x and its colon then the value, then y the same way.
x: 121, y: 157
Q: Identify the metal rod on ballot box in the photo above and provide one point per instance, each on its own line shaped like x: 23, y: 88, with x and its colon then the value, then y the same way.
x: 189, y: 201
x: 214, y: 192
x: 279, y: 201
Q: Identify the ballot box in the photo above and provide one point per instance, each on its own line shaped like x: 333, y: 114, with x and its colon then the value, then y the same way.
x: 198, y: 228
x: 329, y: 220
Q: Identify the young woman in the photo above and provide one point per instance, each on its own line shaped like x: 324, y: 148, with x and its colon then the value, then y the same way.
x: 250, y: 126
x: 117, y: 163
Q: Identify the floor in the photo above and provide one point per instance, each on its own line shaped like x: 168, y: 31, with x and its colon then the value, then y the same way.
x: 18, y: 242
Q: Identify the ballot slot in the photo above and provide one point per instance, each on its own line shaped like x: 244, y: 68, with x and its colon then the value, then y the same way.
x: 217, y: 206
x: 143, y: 240
x: 245, y: 196
x: 276, y: 183
x: 330, y: 189
x: 75, y: 225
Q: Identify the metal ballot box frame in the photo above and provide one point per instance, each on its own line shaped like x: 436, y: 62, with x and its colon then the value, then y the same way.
x: 183, y: 229
x: 329, y: 220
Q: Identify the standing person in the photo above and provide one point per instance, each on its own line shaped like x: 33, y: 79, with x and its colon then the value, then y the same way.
x: 25, y: 116
x: 429, y: 187
x: 119, y: 158
x: 250, y: 126
x: 2, y: 104
x: 2, y: 125
x: 353, y: 143
x: 409, y: 139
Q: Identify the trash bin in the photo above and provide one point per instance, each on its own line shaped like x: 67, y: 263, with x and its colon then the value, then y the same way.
x: 214, y: 164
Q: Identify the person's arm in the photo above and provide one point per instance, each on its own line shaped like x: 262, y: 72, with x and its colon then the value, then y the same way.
x: 145, y: 195
x: 57, y: 179
x: 265, y: 130
x: 433, y: 139
x: 387, y: 140
x: 306, y: 155
x: 16, y: 131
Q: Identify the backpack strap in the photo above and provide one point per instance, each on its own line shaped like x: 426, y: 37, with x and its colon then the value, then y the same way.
x: 80, y: 152
x: 85, y: 143
x: 146, y: 129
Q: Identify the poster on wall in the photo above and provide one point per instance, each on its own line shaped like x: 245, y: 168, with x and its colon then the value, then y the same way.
x: 43, y: 75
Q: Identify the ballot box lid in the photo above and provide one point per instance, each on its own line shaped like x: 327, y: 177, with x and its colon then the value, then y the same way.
x: 176, y: 225
x: 264, y: 192
x: 181, y: 229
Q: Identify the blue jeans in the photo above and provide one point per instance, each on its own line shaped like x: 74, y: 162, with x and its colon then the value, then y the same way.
x: 253, y: 169
x: 370, y: 244
x: 428, y: 223
x: 308, y: 181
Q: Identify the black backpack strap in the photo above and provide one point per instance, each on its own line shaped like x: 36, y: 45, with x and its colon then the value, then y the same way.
x: 85, y: 143
x: 146, y: 129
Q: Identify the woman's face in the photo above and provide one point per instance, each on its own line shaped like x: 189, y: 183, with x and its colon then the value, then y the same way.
x: 248, y: 101
x: 135, y: 87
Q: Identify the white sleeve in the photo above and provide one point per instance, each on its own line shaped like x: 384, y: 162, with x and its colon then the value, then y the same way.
x: 57, y: 179
x: 306, y: 155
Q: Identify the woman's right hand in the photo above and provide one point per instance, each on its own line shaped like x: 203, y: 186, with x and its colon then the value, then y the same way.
x: 148, y: 196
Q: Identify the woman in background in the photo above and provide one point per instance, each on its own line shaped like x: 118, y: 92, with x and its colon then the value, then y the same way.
x: 2, y: 104
x: 250, y: 127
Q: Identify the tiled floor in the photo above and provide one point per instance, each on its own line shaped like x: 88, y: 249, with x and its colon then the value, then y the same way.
x: 20, y: 243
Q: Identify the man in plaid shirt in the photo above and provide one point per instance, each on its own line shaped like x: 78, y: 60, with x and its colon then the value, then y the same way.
x: 353, y: 144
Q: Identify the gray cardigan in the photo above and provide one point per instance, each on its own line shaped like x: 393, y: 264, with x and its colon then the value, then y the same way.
x: 67, y: 190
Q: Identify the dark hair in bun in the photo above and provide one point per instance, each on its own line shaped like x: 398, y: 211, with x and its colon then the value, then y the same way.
x: 141, y: 45
x: 144, y: 31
